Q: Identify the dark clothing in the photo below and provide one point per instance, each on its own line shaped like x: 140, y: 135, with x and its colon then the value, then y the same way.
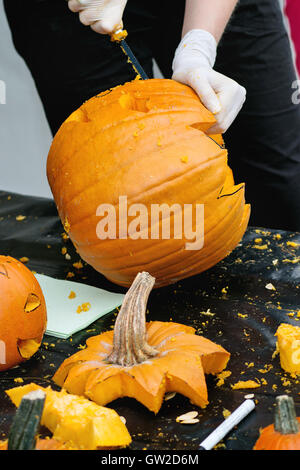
x: 70, y: 63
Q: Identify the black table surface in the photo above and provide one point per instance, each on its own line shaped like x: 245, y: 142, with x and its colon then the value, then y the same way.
x: 229, y: 304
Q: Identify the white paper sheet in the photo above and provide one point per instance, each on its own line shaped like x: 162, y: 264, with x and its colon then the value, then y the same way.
x: 63, y: 319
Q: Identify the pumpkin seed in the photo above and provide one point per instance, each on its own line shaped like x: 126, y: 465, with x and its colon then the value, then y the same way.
x: 187, y: 416
x: 190, y: 421
x: 250, y: 395
x: 169, y: 395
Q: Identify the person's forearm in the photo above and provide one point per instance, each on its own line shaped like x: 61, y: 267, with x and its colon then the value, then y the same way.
x: 210, y: 15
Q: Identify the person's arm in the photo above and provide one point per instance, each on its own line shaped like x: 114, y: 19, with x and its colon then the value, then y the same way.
x: 209, y: 15
x: 204, y: 24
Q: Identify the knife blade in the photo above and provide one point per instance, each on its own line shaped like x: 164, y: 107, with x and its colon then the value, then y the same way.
x: 119, y: 38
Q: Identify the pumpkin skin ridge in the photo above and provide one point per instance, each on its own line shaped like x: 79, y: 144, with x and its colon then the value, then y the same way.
x: 136, y: 198
x: 195, y: 168
x: 180, y: 276
x: 206, y: 260
x: 176, y: 250
x: 202, y: 260
x: 109, y: 241
x: 162, y: 241
x: 163, y: 342
x: 195, y: 269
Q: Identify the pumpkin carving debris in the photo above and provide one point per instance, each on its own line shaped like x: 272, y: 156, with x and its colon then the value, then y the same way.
x: 23, y: 315
x: 146, y: 141
x: 142, y: 361
x: 22, y: 435
x: 75, y: 421
x: 288, y: 343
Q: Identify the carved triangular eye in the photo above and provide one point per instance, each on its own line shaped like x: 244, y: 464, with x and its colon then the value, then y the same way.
x: 32, y: 303
x: 3, y: 270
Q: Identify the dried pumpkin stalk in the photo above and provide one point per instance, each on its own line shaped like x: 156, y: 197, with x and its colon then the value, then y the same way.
x: 142, y: 360
x: 130, y: 346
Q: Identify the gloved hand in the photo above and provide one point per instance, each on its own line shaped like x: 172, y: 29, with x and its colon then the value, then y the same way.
x: 193, y: 65
x: 104, y: 16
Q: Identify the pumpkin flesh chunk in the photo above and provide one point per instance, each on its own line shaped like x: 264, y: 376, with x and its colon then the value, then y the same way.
x: 76, y: 420
x: 288, y: 342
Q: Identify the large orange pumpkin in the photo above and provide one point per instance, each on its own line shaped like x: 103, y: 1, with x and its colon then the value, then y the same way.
x: 145, y: 141
x: 23, y: 314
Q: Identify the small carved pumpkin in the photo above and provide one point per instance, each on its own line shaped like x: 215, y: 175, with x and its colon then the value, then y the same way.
x: 284, y: 434
x: 139, y: 157
x: 142, y: 361
x: 23, y: 315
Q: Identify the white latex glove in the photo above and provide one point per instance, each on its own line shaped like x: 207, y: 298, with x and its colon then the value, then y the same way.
x: 193, y: 65
x: 103, y: 16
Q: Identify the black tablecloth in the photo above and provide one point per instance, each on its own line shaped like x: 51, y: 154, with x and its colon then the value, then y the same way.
x: 245, y: 318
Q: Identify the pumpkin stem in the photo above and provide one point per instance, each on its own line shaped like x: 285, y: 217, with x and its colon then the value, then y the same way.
x: 129, y: 345
x: 285, y: 421
x: 26, y: 421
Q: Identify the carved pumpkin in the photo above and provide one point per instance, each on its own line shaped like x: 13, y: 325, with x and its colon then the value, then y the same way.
x: 75, y: 421
x: 138, y: 154
x: 142, y: 361
x: 284, y: 434
x: 23, y: 314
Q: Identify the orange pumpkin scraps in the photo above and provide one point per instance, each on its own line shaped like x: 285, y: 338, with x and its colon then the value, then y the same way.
x: 288, y: 344
x: 23, y: 315
x: 142, y: 361
x: 76, y: 421
x: 118, y: 36
x: 245, y: 384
